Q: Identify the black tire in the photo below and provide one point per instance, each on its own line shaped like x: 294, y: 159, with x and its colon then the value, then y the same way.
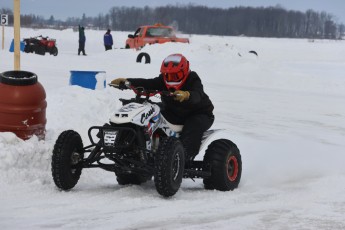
x: 137, y: 179
x: 254, y: 52
x: 33, y: 48
x: 143, y: 54
x: 68, y: 151
x: 40, y: 50
x: 169, y: 166
x: 27, y: 49
x: 223, y: 158
x: 54, y: 51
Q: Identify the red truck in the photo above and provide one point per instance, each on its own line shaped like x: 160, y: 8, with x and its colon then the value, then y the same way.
x: 152, y: 34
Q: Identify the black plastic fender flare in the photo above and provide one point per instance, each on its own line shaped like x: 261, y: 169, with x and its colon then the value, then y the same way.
x: 143, y: 54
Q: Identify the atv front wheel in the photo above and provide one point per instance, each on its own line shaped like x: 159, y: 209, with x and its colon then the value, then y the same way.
x: 67, y: 153
x: 169, y: 166
x: 223, y: 159
x: 54, y: 51
x: 28, y: 49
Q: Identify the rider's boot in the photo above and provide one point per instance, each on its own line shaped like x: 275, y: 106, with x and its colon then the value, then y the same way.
x: 189, y: 158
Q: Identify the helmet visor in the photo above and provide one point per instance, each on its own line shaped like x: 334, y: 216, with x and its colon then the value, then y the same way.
x: 175, y: 59
x: 173, y: 77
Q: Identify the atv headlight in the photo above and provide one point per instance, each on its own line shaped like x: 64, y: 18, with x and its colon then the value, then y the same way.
x: 109, y: 137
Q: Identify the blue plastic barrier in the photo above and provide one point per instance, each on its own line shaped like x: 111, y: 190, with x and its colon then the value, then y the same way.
x: 22, y: 45
x: 86, y: 79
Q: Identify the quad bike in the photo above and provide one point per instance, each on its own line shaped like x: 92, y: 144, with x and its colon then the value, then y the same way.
x: 137, y: 144
x: 40, y: 45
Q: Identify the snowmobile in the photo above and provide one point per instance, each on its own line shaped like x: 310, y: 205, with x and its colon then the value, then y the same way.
x: 138, y: 143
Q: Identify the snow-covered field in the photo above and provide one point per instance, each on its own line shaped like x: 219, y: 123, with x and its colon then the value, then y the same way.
x: 285, y: 109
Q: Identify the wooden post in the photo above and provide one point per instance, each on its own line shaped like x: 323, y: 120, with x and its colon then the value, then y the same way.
x: 3, y: 37
x: 16, y: 34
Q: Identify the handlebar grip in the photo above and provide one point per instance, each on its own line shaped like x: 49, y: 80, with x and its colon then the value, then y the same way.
x: 122, y: 85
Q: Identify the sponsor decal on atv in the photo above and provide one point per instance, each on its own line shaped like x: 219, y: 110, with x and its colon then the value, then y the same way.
x: 145, y: 116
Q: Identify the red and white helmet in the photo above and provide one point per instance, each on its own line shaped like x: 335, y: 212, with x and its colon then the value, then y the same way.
x: 175, y: 71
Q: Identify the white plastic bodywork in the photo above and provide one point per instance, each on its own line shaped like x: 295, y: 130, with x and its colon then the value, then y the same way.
x: 208, y: 137
x: 139, y: 114
x: 211, y: 135
x: 126, y: 113
x: 148, y: 115
x: 171, y: 130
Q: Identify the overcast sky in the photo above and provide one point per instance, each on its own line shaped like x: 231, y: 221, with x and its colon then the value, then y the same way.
x: 62, y: 9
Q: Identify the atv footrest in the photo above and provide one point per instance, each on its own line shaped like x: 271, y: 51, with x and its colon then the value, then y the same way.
x: 192, y: 173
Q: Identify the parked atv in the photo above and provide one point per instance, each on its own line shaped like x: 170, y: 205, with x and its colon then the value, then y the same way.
x: 140, y: 144
x: 40, y: 45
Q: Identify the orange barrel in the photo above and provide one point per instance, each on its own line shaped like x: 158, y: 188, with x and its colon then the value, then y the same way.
x: 22, y: 104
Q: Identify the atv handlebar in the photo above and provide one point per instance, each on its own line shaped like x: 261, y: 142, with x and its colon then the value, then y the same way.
x: 141, y: 91
x: 122, y: 85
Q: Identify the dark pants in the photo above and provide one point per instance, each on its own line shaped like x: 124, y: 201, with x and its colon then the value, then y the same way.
x: 192, y: 133
x: 81, y: 47
x: 107, y: 47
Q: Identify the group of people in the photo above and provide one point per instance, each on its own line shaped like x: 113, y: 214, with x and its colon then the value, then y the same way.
x: 107, y: 39
x: 190, y: 106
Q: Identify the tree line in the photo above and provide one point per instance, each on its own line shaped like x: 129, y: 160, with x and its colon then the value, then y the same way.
x: 191, y: 19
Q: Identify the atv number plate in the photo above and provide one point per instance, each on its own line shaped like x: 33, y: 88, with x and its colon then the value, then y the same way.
x: 109, y: 137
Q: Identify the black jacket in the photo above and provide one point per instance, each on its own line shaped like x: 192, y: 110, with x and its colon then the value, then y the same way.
x: 174, y: 111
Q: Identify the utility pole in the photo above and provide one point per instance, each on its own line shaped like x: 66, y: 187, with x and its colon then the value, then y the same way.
x: 3, y: 37
x: 16, y: 25
x: 4, y: 22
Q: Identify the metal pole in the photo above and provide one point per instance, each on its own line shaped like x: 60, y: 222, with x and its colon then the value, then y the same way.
x: 16, y: 34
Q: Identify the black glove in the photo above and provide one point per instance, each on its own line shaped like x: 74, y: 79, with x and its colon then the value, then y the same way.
x: 123, y: 85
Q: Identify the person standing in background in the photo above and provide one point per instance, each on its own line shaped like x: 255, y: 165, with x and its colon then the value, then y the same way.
x: 108, y: 40
x: 82, y: 40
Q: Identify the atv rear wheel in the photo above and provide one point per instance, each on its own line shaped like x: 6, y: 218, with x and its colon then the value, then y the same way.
x: 67, y: 153
x: 169, y: 166
x: 223, y: 158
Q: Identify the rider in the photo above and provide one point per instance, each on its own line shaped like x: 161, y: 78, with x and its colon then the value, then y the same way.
x: 189, y: 106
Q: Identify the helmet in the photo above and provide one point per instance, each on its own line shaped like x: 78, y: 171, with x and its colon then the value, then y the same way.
x: 175, y: 71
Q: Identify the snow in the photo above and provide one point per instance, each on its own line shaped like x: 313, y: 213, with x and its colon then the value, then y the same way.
x: 283, y: 108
